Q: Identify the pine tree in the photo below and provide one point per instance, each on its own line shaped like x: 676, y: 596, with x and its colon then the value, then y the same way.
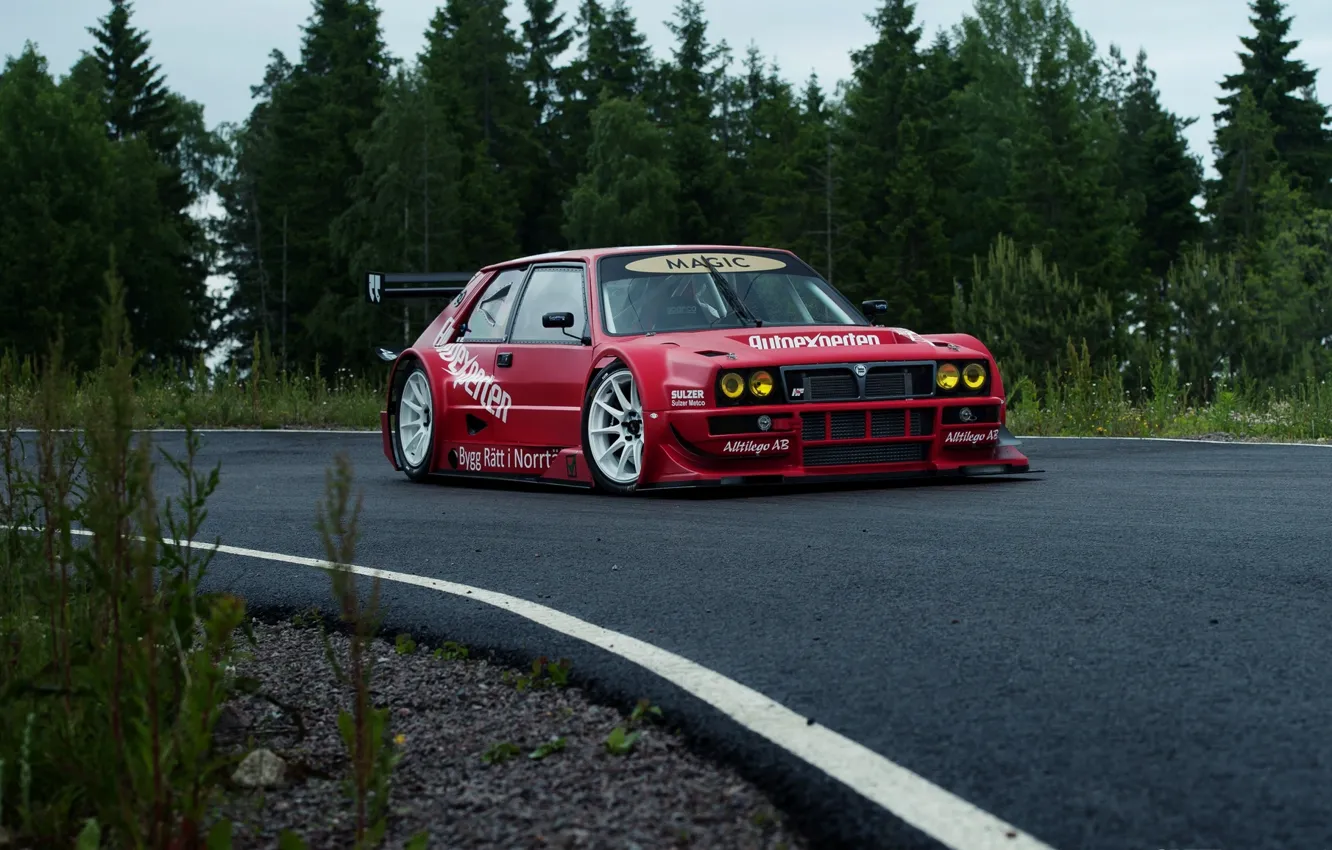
x: 692, y: 84
x: 299, y: 163
x: 897, y: 247
x: 1160, y: 179
x: 166, y: 156
x: 472, y: 64
x: 1246, y: 148
x: 405, y: 203
x: 57, y: 224
x: 1028, y: 310
x: 1283, y: 89
x: 249, y: 252
x: 1064, y: 183
x: 546, y: 40
x: 785, y: 147
x: 136, y: 93
x: 627, y: 194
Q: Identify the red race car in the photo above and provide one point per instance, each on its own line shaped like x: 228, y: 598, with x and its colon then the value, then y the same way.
x: 633, y: 368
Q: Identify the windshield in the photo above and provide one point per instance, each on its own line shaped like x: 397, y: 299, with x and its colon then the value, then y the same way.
x: 675, y: 292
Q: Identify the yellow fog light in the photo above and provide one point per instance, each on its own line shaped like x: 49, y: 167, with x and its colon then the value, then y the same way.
x: 973, y: 376
x: 760, y: 384
x: 947, y: 377
x: 732, y: 385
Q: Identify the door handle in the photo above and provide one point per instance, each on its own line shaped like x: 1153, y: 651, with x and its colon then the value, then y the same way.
x: 505, y: 359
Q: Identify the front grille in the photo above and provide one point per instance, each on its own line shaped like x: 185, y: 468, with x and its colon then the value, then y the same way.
x: 814, y: 426
x: 830, y: 455
x: 832, y: 387
x: 886, y: 385
x: 922, y: 422
x: 848, y: 425
x: 888, y: 423
x: 883, y: 424
x: 882, y: 382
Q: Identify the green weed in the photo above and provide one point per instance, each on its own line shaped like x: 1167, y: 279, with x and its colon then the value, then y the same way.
x: 112, y: 664
x: 500, y: 753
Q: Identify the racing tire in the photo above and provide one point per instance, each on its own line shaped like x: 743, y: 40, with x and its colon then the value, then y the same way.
x: 414, y: 423
x: 613, y: 431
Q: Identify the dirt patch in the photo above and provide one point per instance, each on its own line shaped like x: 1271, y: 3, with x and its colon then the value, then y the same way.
x: 451, y: 712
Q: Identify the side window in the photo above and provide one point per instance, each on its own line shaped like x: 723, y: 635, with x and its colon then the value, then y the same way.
x: 491, y: 312
x: 551, y: 290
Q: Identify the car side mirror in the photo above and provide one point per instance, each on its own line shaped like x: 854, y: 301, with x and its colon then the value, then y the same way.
x: 873, y: 307
x: 564, y: 321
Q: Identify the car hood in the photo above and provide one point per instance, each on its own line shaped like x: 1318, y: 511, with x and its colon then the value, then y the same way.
x: 805, y: 344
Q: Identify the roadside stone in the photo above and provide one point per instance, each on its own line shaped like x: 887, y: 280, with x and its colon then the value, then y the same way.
x: 260, y: 769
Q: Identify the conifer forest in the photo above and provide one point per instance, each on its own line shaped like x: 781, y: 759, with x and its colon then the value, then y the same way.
x: 1005, y: 176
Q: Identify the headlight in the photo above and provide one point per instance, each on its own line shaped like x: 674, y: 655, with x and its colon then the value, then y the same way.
x: 760, y: 384
x: 947, y: 377
x: 732, y: 385
x: 973, y: 376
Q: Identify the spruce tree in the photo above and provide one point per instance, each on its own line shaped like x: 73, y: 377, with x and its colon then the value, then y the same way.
x: 1283, y: 90
x: 135, y: 92
x: 1028, y: 310
x: 164, y: 154
x: 1246, y: 149
x: 546, y: 39
x: 1064, y: 183
x: 896, y: 238
x: 627, y: 194
x: 1159, y: 180
x: 301, y: 163
x: 473, y: 66
x: 57, y: 224
x: 692, y: 82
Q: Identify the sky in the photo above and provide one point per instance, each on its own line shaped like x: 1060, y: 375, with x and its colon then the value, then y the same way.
x: 212, y: 51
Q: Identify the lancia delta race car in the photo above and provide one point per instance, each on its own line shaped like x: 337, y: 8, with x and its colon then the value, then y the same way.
x: 636, y: 368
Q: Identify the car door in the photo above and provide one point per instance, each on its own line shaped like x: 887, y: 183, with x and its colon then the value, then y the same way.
x: 478, y: 405
x: 545, y: 369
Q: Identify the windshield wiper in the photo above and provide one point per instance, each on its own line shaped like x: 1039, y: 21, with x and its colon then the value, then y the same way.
x: 731, y: 297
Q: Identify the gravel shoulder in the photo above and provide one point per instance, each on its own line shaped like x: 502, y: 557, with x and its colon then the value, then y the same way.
x: 451, y: 712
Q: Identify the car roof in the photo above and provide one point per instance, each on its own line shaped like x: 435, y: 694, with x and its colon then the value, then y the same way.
x: 590, y: 254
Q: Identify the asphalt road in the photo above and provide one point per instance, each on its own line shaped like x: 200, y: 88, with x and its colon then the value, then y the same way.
x: 1132, y: 650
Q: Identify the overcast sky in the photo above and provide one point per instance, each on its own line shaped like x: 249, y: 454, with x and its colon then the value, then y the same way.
x: 213, y: 51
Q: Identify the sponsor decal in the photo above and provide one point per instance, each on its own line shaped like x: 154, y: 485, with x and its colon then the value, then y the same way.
x: 755, y: 447
x: 687, y: 398
x: 685, y: 263
x: 505, y: 459
x: 768, y: 343
x: 971, y: 436
x: 468, y: 374
x: 571, y: 466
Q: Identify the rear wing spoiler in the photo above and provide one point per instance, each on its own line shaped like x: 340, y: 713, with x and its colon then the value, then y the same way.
x: 382, y: 285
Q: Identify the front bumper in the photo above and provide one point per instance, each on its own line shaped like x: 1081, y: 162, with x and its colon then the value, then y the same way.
x: 921, y: 438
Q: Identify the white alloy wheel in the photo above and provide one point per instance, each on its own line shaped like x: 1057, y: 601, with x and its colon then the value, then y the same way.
x: 615, y: 428
x: 415, y: 419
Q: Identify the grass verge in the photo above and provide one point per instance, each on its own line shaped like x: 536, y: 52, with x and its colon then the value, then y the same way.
x: 1075, y: 401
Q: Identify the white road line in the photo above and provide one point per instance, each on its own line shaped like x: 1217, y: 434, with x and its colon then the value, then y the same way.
x: 1186, y: 440
x: 943, y: 816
